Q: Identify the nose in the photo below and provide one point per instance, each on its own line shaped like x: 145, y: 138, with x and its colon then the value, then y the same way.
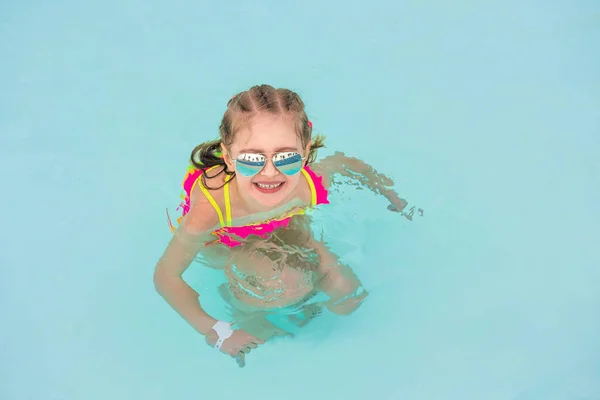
x: 269, y: 170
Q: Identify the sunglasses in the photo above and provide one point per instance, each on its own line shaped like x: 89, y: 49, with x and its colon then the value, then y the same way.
x: 250, y: 164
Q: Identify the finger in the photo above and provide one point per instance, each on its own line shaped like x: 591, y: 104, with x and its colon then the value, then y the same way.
x: 252, y: 345
x: 241, y: 360
x: 315, y: 313
x: 254, y: 340
x: 281, y: 332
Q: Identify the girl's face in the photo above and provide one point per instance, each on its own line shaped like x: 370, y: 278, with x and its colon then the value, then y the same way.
x: 267, y: 135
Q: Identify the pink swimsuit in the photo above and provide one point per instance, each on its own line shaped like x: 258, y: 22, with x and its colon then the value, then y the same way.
x: 227, y: 230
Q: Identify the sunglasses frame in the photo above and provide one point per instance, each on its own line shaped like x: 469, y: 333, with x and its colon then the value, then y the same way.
x: 235, y: 160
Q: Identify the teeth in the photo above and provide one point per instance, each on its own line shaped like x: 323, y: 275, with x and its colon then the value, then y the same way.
x: 263, y: 186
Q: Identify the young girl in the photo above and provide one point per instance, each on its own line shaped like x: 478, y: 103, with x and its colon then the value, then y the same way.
x: 243, y: 212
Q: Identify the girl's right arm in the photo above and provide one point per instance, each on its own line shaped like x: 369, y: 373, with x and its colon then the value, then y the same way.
x: 188, y: 240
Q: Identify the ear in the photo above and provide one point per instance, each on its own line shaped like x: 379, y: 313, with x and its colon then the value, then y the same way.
x: 227, y: 157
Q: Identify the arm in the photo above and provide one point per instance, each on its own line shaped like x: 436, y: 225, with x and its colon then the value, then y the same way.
x: 187, y: 241
x: 339, y: 282
x: 366, y: 175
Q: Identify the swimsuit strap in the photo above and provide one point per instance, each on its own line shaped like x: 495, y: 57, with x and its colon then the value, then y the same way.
x: 311, y: 183
x: 227, y: 202
x: 212, y: 200
x: 319, y: 195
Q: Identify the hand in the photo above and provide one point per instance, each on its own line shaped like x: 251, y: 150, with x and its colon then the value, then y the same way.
x: 306, y: 314
x: 397, y: 204
x: 237, y: 345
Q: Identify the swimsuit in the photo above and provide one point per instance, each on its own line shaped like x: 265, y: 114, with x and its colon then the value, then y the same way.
x: 224, y: 234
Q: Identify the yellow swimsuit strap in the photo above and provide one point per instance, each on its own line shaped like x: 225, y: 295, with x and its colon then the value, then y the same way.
x: 313, y: 191
x: 212, y: 201
x: 227, y: 201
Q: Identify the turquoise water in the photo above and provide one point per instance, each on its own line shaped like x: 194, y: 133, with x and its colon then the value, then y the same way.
x: 486, y: 113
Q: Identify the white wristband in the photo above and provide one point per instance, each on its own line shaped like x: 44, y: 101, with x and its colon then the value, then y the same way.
x: 224, y: 331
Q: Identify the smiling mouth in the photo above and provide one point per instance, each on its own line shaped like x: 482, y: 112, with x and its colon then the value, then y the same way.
x: 268, y: 187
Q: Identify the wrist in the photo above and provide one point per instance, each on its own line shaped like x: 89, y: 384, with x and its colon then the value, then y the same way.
x: 223, y: 331
x: 212, y: 337
x: 205, y: 327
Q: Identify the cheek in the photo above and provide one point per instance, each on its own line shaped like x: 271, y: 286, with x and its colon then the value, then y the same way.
x: 293, y: 181
x: 243, y: 181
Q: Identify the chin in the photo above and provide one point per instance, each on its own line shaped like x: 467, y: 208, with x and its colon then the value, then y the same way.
x: 270, y: 196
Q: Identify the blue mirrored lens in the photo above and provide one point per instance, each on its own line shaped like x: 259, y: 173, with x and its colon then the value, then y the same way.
x: 288, y: 163
x: 249, y: 168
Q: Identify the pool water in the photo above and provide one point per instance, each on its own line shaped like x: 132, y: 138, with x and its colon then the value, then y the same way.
x: 486, y: 114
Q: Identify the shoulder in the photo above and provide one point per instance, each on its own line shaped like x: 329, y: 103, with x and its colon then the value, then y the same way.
x: 329, y: 166
x: 202, y: 217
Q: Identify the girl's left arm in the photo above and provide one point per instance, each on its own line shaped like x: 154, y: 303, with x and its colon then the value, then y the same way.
x: 338, y: 281
x: 365, y: 174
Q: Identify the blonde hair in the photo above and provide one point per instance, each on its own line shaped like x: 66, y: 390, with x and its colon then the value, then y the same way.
x: 240, y: 110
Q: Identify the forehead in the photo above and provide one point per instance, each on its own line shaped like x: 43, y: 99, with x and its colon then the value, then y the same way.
x: 267, y: 133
